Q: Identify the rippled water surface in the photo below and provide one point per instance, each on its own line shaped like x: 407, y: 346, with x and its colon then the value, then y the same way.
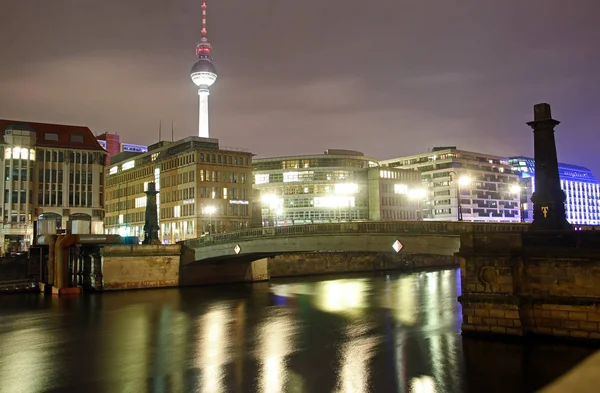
x: 372, y: 333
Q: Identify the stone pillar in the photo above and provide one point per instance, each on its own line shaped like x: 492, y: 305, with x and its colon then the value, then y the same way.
x: 548, y: 198
x: 87, y: 261
x: 151, y: 224
x: 96, y: 279
x: 258, y: 270
x: 491, y: 276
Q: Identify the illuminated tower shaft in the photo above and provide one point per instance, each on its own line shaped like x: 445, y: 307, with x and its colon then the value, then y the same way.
x: 203, y: 75
x: 203, y: 113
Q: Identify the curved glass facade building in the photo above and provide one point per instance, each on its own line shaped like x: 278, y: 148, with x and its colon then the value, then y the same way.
x: 339, y: 185
x: 579, y: 184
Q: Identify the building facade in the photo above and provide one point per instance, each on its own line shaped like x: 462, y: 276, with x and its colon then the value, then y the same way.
x: 201, y: 188
x: 48, y: 169
x: 463, y: 185
x: 339, y: 185
x: 579, y: 184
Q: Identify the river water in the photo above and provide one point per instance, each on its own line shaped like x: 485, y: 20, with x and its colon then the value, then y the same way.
x: 397, y: 332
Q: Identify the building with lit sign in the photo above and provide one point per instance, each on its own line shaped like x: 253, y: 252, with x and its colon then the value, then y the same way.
x: 202, y: 189
x: 579, y: 184
x: 339, y: 185
x: 113, y: 145
x: 49, y: 169
x: 463, y: 185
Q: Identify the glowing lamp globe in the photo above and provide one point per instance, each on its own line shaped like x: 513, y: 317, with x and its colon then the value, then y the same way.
x: 203, y: 73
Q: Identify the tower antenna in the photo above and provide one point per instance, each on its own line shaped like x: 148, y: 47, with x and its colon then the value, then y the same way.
x: 203, y: 75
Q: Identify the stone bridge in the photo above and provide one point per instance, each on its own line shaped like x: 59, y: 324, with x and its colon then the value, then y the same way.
x: 416, y: 237
x: 262, y: 253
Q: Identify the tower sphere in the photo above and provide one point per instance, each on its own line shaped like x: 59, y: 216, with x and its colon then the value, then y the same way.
x: 203, y: 73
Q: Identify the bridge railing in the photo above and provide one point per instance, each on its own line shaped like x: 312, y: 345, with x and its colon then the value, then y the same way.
x: 429, y: 227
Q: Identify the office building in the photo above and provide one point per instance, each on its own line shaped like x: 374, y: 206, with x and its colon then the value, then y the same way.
x: 579, y: 184
x: 202, y: 189
x: 51, y: 169
x: 463, y: 185
x: 339, y: 185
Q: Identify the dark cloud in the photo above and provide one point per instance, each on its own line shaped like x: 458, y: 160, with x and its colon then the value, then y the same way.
x: 388, y: 77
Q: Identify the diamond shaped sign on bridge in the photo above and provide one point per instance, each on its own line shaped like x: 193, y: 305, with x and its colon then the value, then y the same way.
x: 237, y: 248
x: 397, y: 246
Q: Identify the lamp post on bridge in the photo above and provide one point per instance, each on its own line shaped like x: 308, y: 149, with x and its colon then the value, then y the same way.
x: 460, y: 181
x: 210, y: 210
x: 517, y: 189
x: 418, y: 194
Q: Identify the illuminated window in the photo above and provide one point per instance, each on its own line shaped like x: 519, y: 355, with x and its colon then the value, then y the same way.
x: 140, y: 202
x: 113, y: 170
x: 261, y: 178
x: 128, y: 165
x: 290, y: 177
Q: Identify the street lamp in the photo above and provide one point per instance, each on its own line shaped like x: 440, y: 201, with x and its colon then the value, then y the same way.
x: 210, y: 210
x: 418, y: 194
x: 516, y: 189
x: 272, y: 202
x: 462, y: 181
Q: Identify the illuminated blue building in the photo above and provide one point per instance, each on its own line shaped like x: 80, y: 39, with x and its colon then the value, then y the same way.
x: 579, y: 184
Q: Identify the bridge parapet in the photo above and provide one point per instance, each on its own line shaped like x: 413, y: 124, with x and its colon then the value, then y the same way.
x: 364, y: 227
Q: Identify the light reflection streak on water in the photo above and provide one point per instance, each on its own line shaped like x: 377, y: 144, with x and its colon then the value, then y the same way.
x: 406, y: 310
x: 24, y: 371
x: 131, y: 339
x: 215, y: 345
x: 355, y: 357
x: 422, y: 384
x: 438, y: 311
x: 432, y: 300
x: 342, y: 296
x: 276, y: 341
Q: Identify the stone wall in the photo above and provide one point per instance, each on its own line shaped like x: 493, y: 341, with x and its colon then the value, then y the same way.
x: 516, y: 285
x: 140, y: 266
x: 313, y: 263
x: 224, y: 271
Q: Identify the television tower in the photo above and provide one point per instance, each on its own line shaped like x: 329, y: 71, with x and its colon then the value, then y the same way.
x: 203, y: 75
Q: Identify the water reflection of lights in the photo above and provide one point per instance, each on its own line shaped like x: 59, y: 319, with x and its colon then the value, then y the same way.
x: 422, y: 384
x: 355, y: 357
x: 290, y: 290
x: 440, y: 358
x: 25, y: 370
x: 406, y: 310
x: 276, y: 337
x: 131, y: 337
x: 215, y: 346
x: 342, y: 296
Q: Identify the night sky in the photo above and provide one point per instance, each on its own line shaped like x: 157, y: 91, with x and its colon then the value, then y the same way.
x: 386, y: 77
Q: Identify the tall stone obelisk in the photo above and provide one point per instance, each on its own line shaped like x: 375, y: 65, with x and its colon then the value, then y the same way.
x: 151, y: 224
x: 548, y: 198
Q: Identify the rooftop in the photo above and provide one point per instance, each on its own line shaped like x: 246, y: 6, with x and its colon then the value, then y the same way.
x: 53, y: 135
